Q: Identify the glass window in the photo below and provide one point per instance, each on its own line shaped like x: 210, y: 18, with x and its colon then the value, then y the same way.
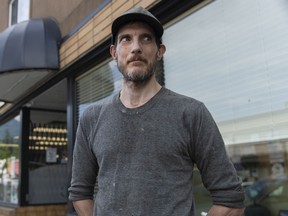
x: 13, y: 12
x: 19, y: 11
x: 232, y: 55
x: 47, y: 157
x: 9, y: 161
x: 97, y: 84
x: 23, y: 10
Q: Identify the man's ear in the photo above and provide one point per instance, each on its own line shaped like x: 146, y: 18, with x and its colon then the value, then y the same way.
x: 113, y: 52
x: 161, y: 51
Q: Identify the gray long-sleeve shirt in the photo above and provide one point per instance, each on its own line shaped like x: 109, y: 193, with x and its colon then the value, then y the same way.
x: 144, y: 157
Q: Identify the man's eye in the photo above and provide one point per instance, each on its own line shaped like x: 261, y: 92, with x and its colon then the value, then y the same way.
x: 125, y: 39
x: 147, y: 38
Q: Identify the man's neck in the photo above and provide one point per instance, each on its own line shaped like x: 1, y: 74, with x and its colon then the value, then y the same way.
x: 134, y: 95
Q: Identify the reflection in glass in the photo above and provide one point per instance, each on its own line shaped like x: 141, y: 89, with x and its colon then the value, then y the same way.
x: 233, y: 57
x: 97, y: 84
x: 9, y: 161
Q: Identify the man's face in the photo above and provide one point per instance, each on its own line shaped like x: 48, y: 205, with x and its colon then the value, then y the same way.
x: 136, y: 52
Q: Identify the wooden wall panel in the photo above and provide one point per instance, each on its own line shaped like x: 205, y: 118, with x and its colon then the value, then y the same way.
x: 96, y: 30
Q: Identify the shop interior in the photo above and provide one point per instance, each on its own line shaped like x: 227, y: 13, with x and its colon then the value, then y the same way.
x: 48, y: 146
x: 40, y: 155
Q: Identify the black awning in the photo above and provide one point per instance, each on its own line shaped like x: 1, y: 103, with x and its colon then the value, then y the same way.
x: 29, y: 52
x: 32, y: 44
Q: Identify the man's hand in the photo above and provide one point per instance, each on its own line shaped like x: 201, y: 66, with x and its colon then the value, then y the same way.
x: 218, y: 210
x: 84, y: 207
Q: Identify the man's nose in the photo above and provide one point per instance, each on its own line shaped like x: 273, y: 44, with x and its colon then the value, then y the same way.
x: 136, y: 47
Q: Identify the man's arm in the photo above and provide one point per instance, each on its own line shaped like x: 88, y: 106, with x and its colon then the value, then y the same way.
x: 84, y: 207
x: 84, y: 168
x: 218, y: 173
x: 218, y: 210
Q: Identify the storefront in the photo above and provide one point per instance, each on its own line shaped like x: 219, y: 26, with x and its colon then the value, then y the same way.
x: 230, y: 55
x: 33, y: 135
x: 234, y: 61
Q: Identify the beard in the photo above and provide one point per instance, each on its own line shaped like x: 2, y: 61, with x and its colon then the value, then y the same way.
x: 138, y: 75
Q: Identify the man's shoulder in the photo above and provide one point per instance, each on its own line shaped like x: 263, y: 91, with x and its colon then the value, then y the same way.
x: 179, y: 99
x: 95, y: 108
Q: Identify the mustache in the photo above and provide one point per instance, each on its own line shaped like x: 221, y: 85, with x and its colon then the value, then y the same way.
x: 136, y: 58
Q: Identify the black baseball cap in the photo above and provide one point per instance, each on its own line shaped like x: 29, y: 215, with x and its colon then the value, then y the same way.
x: 137, y: 14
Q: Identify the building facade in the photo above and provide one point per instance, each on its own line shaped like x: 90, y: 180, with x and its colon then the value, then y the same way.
x: 229, y: 54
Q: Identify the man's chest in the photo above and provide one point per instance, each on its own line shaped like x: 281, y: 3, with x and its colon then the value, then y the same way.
x: 144, y: 138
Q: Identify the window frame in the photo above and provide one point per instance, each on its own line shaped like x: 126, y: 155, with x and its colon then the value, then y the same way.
x: 13, y: 12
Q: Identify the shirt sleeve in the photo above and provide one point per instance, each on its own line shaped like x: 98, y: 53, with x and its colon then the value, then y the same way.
x: 84, y: 166
x: 217, y: 171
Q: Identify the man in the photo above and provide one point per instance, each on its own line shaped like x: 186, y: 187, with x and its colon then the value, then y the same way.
x: 142, y: 145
